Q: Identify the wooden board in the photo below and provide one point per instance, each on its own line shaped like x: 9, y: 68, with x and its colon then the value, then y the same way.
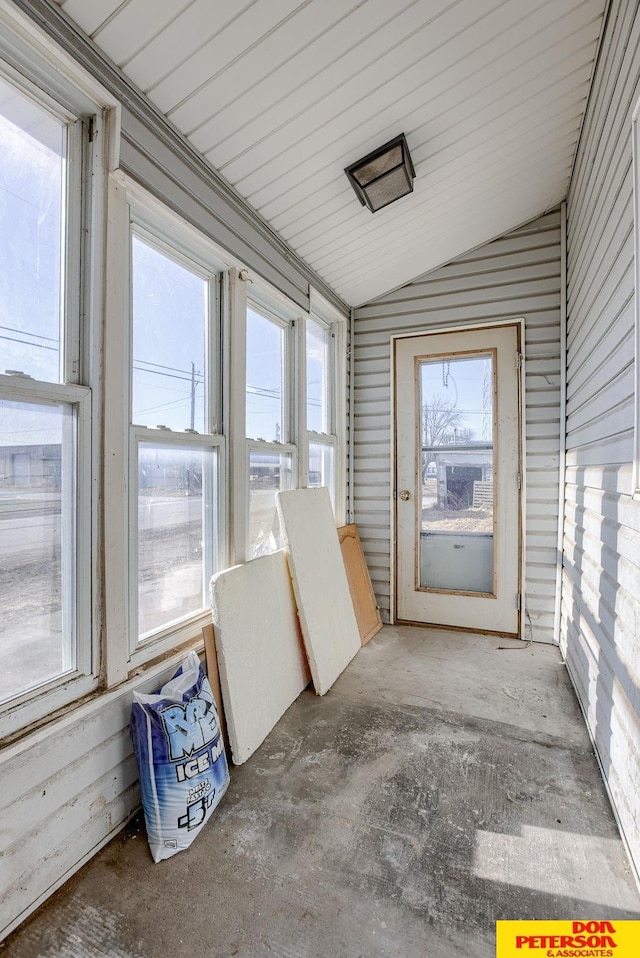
x: 214, y: 678
x: 328, y: 622
x: 362, y: 594
x: 261, y: 659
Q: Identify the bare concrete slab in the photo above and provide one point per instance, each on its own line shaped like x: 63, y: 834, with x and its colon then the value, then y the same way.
x: 442, y: 784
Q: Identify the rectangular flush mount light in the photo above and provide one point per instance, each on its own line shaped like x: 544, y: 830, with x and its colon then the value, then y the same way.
x: 384, y: 175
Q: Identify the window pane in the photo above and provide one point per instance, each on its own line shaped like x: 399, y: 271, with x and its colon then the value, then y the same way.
x: 176, y: 533
x: 265, y: 365
x: 321, y: 456
x: 456, y: 529
x: 32, y: 191
x: 170, y: 308
x: 317, y: 377
x: 37, y: 554
x: 269, y: 472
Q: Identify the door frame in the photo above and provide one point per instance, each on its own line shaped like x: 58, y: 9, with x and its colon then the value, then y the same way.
x: 519, y: 322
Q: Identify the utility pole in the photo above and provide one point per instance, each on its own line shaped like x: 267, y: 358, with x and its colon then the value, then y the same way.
x: 193, y: 395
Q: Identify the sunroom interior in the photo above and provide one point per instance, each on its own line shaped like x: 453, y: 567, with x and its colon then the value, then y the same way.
x: 197, y: 313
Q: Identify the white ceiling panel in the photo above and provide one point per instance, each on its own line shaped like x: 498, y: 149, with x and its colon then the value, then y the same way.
x: 281, y: 95
x: 123, y: 36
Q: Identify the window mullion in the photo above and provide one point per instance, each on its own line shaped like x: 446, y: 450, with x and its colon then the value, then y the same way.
x: 238, y: 462
x: 303, y: 441
x: 213, y: 379
x: 78, y: 152
x: 294, y: 381
x: 116, y: 438
x: 333, y: 382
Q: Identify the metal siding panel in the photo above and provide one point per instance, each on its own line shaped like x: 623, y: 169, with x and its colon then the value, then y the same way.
x: 90, y: 15
x: 130, y: 29
x: 75, y: 782
x: 343, y: 43
x: 193, y: 71
x: 603, y: 127
x: 601, y: 575
x: 458, y: 298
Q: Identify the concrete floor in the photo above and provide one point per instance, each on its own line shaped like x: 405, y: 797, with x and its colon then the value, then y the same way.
x: 443, y: 783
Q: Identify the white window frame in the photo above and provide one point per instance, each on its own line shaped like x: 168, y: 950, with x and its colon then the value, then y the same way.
x: 33, y: 704
x: 288, y: 321
x: 329, y: 438
x: 180, y: 630
x: 635, y: 139
x: 158, y: 227
x: 46, y: 76
x: 323, y: 314
x: 278, y: 310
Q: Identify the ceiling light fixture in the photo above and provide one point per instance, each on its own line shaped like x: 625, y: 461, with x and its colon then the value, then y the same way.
x: 383, y: 176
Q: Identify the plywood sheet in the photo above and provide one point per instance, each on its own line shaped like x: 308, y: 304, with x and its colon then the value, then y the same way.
x: 364, y: 599
x: 261, y: 659
x: 327, y: 619
x: 213, y: 675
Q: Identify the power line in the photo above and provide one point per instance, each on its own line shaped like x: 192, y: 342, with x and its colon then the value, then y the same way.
x: 174, y: 369
x: 10, y: 329
x: 181, y: 401
x: 158, y: 372
x: 11, y: 339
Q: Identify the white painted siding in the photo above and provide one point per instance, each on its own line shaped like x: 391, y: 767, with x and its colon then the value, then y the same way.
x: 66, y: 790
x: 601, y: 577
x: 517, y: 275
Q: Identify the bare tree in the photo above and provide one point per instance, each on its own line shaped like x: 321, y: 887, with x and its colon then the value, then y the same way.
x: 440, y: 420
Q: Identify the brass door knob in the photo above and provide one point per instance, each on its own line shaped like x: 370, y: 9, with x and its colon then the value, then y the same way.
x: 405, y: 495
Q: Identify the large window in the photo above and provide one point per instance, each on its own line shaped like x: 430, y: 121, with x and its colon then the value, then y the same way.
x: 175, y: 437
x: 45, y: 488
x: 270, y: 421
x: 322, y: 439
x: 34, y: 225
x: 124, y: 356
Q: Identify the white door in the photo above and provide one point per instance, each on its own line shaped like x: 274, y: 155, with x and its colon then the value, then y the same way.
x: 458, y: 476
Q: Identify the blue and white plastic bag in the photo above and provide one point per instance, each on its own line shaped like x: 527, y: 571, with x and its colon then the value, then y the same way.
x: 181, y: 759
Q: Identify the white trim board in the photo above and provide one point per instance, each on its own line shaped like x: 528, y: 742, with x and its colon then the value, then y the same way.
x: 327, y: 619
x: 262, y: 665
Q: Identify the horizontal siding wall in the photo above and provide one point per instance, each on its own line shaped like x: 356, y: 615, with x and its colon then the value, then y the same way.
x: 515, y: 276
x: 66, y: 790
x: 600, y: 635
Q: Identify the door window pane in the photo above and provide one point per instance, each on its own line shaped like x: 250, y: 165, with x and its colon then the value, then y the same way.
x: 317, y: 377
x: 265, y: 371
x: 269, y: 472
x: 32, y: 199
x: 37, y: 544
x: 170, y: 310
x: 457, y: 493
x: 175, y: 517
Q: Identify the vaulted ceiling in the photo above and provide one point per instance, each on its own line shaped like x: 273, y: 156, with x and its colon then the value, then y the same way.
x: 281, y: 95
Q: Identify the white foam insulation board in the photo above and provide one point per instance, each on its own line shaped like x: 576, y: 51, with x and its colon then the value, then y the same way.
x: 261, y: 659
x: 327, y: 619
